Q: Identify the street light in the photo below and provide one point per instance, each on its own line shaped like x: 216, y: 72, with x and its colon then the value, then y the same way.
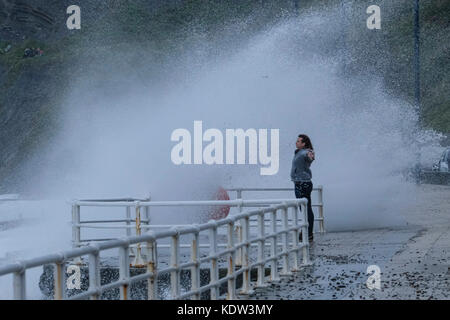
x: 296, y: 6
x: 417, y: 81
x: 417, y: 57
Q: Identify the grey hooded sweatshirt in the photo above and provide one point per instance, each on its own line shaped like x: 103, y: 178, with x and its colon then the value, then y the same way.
x: 300, y: 171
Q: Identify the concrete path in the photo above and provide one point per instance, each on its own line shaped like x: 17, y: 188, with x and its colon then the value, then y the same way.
x: 414, y: 261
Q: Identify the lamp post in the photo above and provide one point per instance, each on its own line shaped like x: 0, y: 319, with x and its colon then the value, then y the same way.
x: 417, y: 58
x: 417, y: 82
x: 297, y: 6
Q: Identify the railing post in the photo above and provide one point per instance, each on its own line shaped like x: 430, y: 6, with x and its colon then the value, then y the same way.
x: 214, y: 270
x: 76, y: 230
x: 174, y: 261
x: 138, y: 261
x: 124, y: 270
x: 58, y: 277
x: 128, y: 224
x: 305, y: 238
x: 195, y: 270
x: 239, y: 251
x: 320, y: 199
x: 152, y: 267
x: 274, y: 277
x: 245, y: 261
x: 128, y: 217
x: 239, y: 231
x: 147, y: 211
x: 94, y: 274
x: 285, y: 242
x: 19, y: 285
x: 295, y: 240
x: 230, y: 245
x: 261, y: 271
x: 137, y: 207
x: 76, y: 226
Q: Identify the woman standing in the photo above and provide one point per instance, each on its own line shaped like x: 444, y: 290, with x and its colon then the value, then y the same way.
x: 301, y: 176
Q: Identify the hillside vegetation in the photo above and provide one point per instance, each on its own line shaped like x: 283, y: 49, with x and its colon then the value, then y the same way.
x: 32, y: 89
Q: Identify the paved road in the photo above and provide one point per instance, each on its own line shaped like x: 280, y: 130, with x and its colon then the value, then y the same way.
x: 414, y: 260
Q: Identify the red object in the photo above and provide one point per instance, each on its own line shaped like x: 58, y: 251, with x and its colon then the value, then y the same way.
x: 220, y: 212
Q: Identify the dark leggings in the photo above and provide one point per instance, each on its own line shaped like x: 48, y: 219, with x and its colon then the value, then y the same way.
x: 303, y: 190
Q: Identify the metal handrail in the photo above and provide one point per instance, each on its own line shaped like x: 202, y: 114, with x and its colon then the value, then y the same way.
x: 318, y: 189
x: 140, y: 224
x: 290, y: 249
x: 128, y: 203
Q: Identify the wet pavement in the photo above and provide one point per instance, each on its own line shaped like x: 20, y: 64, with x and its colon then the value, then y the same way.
x: 414, y: 260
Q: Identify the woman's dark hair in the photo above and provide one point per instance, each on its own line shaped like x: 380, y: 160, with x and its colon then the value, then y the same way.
x: 306, y: 140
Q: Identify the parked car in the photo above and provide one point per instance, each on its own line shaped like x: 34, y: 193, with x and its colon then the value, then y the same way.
x: 444, y: 162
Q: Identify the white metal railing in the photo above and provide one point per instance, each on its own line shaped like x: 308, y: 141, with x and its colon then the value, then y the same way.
x: 319, y: 204
x: 289, y: 255
x: 141, y: 221
x: 135, y: 251
x: 135, y: 223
